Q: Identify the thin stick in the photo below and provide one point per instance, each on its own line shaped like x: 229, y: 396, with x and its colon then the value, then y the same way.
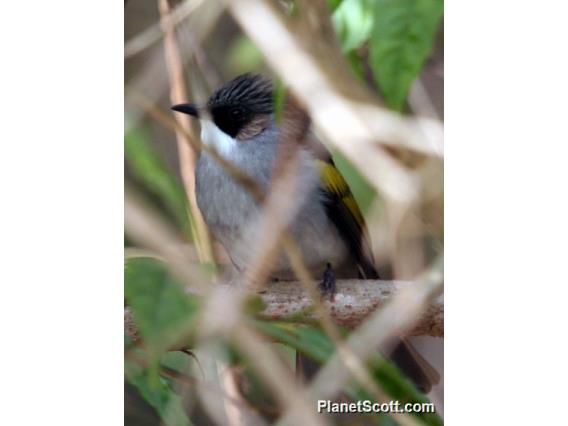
x: 187, y: 156
x: 154, y: 33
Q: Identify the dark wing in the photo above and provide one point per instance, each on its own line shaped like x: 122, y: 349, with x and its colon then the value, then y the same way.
x: 341, y: 207
x: 344, y: 213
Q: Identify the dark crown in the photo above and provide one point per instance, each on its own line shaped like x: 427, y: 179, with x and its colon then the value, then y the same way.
x: 250, y: 91
x: 235, y: 105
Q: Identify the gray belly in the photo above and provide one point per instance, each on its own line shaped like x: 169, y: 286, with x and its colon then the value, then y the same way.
x: 233, y: 217
x: 226, y: 206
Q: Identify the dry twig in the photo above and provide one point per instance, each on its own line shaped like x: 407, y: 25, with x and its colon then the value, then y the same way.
x: 187, y: 156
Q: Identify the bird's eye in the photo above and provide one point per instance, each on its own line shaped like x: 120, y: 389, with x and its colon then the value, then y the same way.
x: 236, y: 112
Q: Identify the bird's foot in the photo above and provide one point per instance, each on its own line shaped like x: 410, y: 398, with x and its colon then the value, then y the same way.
x: 327, y: 284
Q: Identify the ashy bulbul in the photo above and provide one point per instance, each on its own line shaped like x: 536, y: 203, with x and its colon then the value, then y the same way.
x: 239, y: 122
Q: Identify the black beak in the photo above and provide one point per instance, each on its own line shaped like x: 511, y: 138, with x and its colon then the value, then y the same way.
x: 186, y: 109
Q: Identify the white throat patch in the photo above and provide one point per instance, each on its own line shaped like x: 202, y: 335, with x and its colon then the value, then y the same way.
x: 212, y: 136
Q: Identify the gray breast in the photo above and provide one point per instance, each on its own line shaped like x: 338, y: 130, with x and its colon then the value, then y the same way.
x: 232, y: 213
x: 226, y: 206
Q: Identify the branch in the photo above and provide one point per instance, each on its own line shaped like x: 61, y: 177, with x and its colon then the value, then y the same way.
x: 353, y: 302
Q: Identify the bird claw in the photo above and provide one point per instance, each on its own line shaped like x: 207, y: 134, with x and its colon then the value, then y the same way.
x: 327, y: 284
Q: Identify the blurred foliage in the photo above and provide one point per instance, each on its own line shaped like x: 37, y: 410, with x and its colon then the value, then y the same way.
x: 402, y: 38
x: 317, y: 345
x: 158, y: 392
x: 334, y: 4
x: 163, y: 310
x: 164, y: 313
x: 353, y: 21
x: 400, y: 35
x: 147, y: 166
x: 244, y: 55
x: 279, y: 97
x: 356, y: 64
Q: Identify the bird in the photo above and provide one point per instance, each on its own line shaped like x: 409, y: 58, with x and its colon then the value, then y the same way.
x: 240, y: 123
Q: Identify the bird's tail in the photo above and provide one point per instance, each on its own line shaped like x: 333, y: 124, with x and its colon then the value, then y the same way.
x: 414, y: 366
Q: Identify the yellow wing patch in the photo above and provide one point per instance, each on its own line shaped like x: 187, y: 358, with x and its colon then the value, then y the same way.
x: 332, y: 179
x: 334, y: 183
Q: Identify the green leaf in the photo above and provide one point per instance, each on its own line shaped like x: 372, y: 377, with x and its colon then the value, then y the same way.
x: 307, y: 340
x: 402, y: 38
x: 149, y: 168
x: 161, y: 308
x: 158, y: 393
x: 353, y: 21
x: 334, y: 4
x: 279, y: 97
x: 356, y: 64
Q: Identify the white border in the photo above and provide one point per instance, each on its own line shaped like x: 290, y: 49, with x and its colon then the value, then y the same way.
x: 61, y: 225
x: 506, y: 292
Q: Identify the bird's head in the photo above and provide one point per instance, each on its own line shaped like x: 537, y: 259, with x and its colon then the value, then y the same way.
x: 236, y: 112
